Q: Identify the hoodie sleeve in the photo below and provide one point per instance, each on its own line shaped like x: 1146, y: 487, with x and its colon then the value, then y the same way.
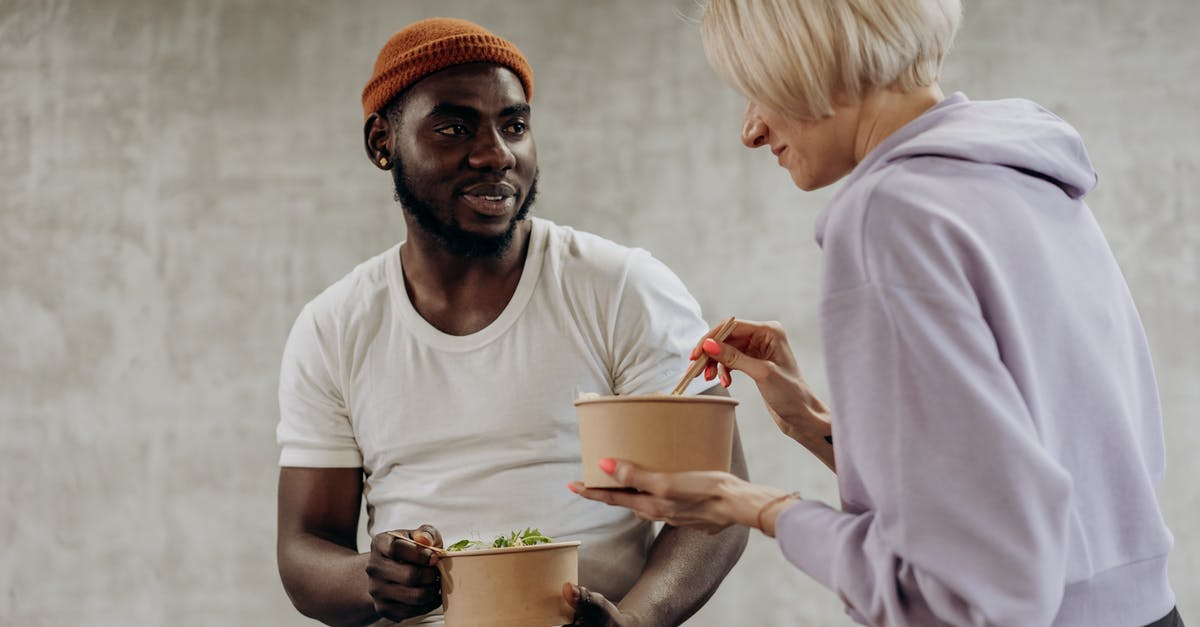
x: 965, y: 518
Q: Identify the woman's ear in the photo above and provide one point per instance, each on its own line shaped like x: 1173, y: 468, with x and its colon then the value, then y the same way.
x: 377, y: 134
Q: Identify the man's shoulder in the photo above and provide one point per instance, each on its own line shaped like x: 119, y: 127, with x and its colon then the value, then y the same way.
x: 588, y: 266
x: 361, y: 287
x: 581, y: 252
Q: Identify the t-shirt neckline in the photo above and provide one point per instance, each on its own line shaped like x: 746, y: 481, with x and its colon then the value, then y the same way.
x: 434, y: 337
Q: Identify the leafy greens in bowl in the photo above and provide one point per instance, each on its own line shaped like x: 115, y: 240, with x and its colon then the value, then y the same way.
x: 528, y: 537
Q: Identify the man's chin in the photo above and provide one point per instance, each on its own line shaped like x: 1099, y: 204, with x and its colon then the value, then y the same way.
x: 482, y: 240
x: 481, y: 225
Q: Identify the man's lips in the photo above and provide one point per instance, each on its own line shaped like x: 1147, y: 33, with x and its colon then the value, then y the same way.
x: 495, y: 199
x: 498, y: 189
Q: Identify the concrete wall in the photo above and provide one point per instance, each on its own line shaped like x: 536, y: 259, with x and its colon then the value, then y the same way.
x: 177, y: 178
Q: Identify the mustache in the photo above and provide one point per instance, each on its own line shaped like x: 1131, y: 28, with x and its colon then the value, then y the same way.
x: 491, y: 187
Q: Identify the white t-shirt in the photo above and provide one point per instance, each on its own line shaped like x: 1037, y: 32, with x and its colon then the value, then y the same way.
x: 477, y: 434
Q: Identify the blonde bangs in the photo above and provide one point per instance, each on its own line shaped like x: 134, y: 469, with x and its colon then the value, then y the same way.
x: 760, y: 51
x: 798, y: 56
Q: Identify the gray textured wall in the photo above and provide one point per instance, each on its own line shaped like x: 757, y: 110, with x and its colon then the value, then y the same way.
x: 177, y: 178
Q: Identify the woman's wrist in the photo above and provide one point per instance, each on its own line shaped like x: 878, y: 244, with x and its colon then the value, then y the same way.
x: 769, y: 513
x: 758, y: 506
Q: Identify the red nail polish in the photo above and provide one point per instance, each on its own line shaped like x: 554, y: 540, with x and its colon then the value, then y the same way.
x: 608, y: 465
x: 571, y: 487
x: 711, y: 347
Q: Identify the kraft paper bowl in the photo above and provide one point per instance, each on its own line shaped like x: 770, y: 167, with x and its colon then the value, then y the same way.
x: 658, y: 432
x: 510, y: 587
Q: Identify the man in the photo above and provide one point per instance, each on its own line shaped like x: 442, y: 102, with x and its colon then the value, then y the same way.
x: 436, y: 380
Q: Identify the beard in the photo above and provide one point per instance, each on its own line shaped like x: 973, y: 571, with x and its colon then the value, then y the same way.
x: 449, y: 233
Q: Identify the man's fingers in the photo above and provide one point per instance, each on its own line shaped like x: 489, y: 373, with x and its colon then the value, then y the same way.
x: 570, y: 595
x: 591, y: 608
x: 397, y: 611
x: 409, y: 546
x: 428, y: 535
x: 392, y: 572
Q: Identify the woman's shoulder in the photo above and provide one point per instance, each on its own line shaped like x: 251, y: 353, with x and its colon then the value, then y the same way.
x: 913, y: 196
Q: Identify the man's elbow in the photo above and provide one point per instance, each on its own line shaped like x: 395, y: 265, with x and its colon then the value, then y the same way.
x: 294, y: 585
x: 308, y: 593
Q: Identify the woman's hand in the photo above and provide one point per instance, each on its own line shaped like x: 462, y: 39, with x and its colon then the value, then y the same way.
x: 761, y: 350
x: 706, y: 500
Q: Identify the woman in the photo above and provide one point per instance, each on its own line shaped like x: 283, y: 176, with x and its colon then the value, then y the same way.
x: 995, y: 426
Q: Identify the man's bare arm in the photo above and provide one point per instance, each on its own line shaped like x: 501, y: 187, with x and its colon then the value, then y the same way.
x: 685, y: 566
x: 319, y: 563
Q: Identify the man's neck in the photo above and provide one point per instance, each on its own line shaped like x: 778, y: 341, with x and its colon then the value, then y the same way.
x: 461, y: 295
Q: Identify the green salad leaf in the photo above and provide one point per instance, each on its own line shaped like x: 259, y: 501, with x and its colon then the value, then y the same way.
x: 528, y: 537
x: 461, y: 545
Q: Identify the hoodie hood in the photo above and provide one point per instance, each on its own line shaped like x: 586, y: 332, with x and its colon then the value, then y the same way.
x: 1013, y: 133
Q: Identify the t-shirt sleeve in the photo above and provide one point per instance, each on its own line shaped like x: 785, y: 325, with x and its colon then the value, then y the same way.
x: 657, y: 324
x: 314, y: 425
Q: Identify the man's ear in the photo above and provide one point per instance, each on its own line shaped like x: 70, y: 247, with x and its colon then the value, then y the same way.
x: 377, y: 134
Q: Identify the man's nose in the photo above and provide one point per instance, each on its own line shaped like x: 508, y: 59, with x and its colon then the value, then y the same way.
x: 754, y: 131
x: 491, y: 152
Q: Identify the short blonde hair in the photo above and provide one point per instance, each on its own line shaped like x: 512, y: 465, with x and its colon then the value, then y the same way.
x: 797, y: 56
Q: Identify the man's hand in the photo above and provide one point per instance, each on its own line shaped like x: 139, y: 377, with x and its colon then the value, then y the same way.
x: 404, y: 581
x: 593, y: 610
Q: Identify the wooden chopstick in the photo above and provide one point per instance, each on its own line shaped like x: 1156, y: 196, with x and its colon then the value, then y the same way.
x: 701, y: 362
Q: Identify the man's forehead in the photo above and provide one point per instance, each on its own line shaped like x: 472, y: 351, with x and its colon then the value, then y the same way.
x: 470, y: 82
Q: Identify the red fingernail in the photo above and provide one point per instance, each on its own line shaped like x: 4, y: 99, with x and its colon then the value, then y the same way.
x: 709, y: 372
x: 711, y: 347
x: 571, y: 487
x: 695, y: 353
x: 726, y: 380
x: 608, y: 465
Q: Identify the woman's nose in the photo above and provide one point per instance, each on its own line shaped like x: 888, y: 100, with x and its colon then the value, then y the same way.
x: 754, y: 132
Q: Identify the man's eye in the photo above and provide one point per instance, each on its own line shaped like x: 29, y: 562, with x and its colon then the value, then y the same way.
x: 453, y: 130
x: 517, y: 128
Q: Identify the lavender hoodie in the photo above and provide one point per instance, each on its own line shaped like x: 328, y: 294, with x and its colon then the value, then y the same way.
x: 996, y: 419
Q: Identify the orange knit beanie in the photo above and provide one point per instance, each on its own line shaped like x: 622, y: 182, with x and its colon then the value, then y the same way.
x: 431, y: 45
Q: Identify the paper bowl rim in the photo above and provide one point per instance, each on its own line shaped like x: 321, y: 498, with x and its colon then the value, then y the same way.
x: 510, y: 549
x: 656, y: 398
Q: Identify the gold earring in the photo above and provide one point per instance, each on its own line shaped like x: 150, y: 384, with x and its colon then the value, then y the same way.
x: 383, y: 162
